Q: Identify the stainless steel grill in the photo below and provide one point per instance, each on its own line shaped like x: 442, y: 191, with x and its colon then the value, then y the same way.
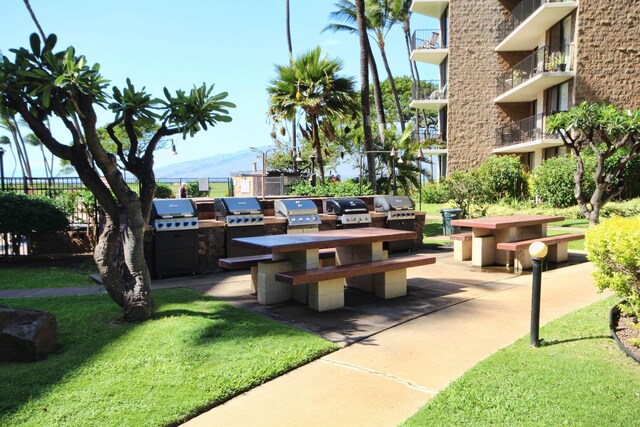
x: 244, y: 217
x: 401, y: 215
x: 175, y: 242
x: 173, y: 214
x: 350, y: 212
x: 239, y: 211
x: 301, y: 214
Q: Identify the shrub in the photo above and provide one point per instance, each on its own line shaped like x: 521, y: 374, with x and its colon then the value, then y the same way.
x: 193, y: 189
x: 435, y: 192
x: 333, y: 189
x: 613, y: 246
x: 504, y: 177
x: 23, y: 215
x: 468, y: 192
x: 626, y: 208
x: 553, y: 181
x: 163, y: 191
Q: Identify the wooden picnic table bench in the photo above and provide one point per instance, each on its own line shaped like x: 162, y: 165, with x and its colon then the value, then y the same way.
x: 330, y: 280
x: 558, y: 249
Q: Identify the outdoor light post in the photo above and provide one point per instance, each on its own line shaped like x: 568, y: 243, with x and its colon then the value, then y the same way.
x: 313, y: 169
x: 392, y: 153
x: 420, y: 156
x: 537, y: 250
x: 2, y: 167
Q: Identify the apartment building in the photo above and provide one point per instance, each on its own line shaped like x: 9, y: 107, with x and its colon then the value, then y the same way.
x: 505, y: 65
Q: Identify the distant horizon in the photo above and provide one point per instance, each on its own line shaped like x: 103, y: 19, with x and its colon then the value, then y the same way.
x: 234, y: 44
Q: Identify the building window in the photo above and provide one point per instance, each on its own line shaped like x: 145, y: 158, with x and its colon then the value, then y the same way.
x: 557, y: 98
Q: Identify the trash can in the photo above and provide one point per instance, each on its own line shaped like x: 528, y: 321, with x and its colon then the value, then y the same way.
x: 447, y: 216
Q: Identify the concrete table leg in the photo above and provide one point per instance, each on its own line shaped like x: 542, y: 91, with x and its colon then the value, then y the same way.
x: 558, y: 252
x: 483, y: 251
x: 326, y: 295
x: 360, y: 253
x: 301, y: 260
x: 462, y: 250
x: 271, y: 291
x: 390, y: 284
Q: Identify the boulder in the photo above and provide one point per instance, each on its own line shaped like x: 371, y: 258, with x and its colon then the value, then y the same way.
x: 26, y: 335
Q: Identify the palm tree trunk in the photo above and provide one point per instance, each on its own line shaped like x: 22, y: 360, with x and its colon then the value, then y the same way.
x: 35, y: 20
x: 392, y: 82
x: 316, y: 144
x: 294, y: 134
x: 377, y: 95
x: 364, y: 91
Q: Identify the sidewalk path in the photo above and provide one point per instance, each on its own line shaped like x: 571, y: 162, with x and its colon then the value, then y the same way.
x: 386, y: 378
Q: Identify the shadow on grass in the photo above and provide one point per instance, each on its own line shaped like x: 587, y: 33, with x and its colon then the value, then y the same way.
x: 544, y: 343
x: 88, y: 325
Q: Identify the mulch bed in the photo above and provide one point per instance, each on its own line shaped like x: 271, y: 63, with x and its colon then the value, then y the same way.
x: 627, y: 329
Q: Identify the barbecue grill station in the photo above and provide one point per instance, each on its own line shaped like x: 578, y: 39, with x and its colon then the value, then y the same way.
x: 189, y: 236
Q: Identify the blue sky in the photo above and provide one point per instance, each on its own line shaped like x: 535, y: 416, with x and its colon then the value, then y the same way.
x: 233, y: 44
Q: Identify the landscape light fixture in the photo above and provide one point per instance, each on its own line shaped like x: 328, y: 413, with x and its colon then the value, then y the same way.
x: 538, y: 250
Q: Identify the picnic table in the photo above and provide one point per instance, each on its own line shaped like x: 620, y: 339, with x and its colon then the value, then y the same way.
x: 488, y: 232
x: 294, y: 269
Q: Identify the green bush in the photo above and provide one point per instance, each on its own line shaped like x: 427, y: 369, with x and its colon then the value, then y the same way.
x: 553, y: 181
x: 435, y: 192
x: 504, y: 177
x: 163, y: 191
x: 193, y: 189
x: 626, y: 208
x: 468, y: 192
x: 333, y: 189
x: 23, y: 215
x: 613, y: 246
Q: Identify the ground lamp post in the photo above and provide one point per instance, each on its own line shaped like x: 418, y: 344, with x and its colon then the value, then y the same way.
x: 313, y: 170
x: 393, y: 154
x: 420, y: 156
x: 537, y: 250
x: 2, y: 167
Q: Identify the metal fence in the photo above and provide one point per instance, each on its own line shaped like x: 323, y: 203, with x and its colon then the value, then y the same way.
x: 428, y: 39
x: 429, y: 89
x: 528, y: 129
x: 519, y: 14
x: 79, y: 204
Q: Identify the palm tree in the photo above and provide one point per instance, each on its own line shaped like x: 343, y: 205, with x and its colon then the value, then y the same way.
x: 294, y: 134
x: 311, y: 83
x: 379, y: 17
x: 365, y: 52
x: 9, y: 123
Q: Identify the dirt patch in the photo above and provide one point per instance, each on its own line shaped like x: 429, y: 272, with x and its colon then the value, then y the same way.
x: 628, y: 329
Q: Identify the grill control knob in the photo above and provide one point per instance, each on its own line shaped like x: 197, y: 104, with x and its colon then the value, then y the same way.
x: 260, y: 218
x: 231, y: 220
x: 177, y: 223
x: 169, y: 224
x: 194, y: 223
x: 160, y: 225
x: 246, y: 220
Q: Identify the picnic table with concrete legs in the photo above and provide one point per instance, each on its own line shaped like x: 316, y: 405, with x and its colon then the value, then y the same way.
x: 489, y: 231
x: 291, y: 252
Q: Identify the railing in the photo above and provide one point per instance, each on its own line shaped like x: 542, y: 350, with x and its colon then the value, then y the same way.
x: 423, y: 134
x: 544, y: 58
x: 519, y: 14
x: 429, y: 89
x: 529, y: 129
x: 429, y: 39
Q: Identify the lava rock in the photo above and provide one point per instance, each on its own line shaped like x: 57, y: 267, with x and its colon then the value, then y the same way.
x: 26, y: 335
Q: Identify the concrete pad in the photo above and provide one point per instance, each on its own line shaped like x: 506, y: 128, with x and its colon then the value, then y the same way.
x: 321, y: 393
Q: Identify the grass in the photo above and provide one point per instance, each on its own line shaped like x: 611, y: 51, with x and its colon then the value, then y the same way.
x: 431, y: 208
x: 573, y: 223
x: 26, y: 277
x: 433, y: 228
x: 578, y: 377
x: 575, y: 245
x: 195, y: 353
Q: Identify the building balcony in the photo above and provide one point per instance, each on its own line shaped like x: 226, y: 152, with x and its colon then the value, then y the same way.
x: 525, y: 136
x: 429, y: 95
x: 544, y: 68
x: 433, y: 8
x: 528, y: 22
x: 429, y: 46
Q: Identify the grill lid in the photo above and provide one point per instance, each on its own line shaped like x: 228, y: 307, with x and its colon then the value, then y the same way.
x: 237, y: 206
x: 289, y: 207
x: 392, y: 203
x: 344, y: 205
x: 172, y: 208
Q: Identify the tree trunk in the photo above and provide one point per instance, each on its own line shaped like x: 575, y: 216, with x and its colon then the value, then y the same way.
x: 364, y: 91
x: 392, y: 82
x: 316, y: 144
x: 294, y: 134
x: 377, y: 96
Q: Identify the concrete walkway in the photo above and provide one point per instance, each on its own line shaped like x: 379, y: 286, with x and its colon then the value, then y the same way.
x: 384, y: 379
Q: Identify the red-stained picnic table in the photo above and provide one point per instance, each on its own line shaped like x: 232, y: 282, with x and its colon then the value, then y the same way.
x: 487, y: 232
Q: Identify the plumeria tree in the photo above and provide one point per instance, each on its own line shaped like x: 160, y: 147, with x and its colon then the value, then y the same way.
x: 613, y: 135
x: 41, y: 83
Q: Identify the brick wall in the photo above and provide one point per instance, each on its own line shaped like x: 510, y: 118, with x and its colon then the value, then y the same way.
x: 473, y: 68
x: 608, y: 52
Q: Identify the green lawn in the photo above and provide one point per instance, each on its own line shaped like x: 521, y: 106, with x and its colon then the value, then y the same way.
x: 578, y: 377
x: 576, y: 244
x: 431, y: 208
x: 19, y: 277
x: 195, y: 353
x: 433, y: 228
x: 573, y: 223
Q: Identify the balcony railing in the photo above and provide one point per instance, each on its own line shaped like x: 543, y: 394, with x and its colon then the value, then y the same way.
x: 429, y: 39
x: 429, y: 90
x: 519, y: 14
x: 543, y: 59
x: 525, y: 130
x: 423, y: 134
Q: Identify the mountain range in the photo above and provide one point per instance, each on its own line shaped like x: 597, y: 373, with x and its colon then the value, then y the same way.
x: 223, y: 165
